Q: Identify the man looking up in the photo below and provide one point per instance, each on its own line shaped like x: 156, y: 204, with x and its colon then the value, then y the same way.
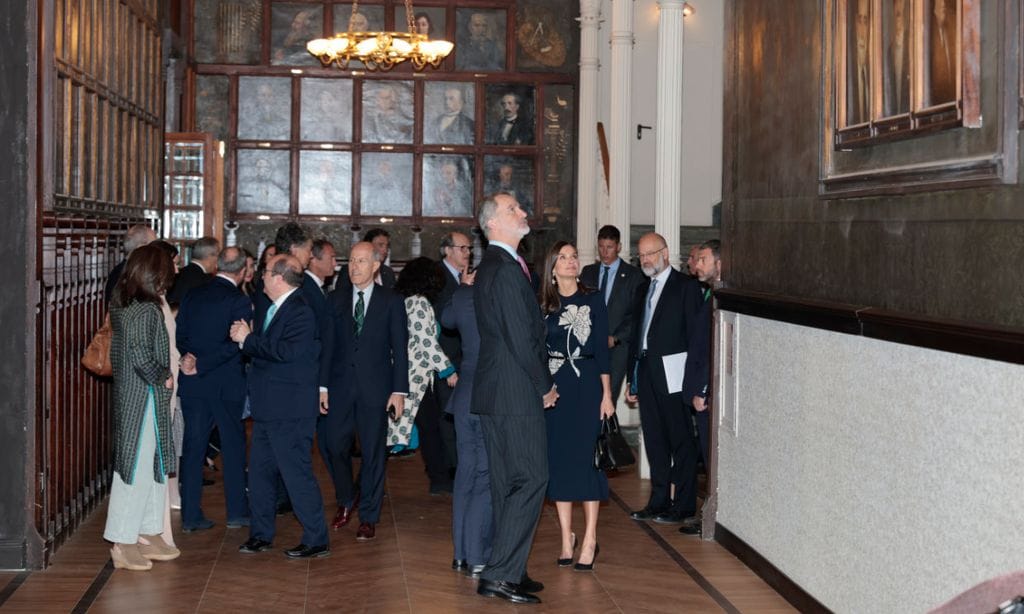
x: 512, y: 386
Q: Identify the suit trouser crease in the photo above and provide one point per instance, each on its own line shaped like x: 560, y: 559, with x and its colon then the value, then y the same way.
x: 669, y: 442
x: 200, y: 416
x: 472, y: 514
x: 518, y: 463
x: 335, y: 433
x: 284, y: 448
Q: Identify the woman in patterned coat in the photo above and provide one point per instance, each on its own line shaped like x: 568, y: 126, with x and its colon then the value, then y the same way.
x: 419, y: 283
x: 143, y: 384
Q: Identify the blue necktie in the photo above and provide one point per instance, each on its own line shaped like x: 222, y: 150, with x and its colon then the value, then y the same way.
x: 604, y: 283
x: 270, y: 316
x: 648, y: 312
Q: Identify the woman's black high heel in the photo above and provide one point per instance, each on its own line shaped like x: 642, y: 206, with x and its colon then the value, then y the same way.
x: 589, y: 566
x: 567, y: 562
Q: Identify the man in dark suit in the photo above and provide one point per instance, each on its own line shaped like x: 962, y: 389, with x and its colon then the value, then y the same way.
x: 381, y: 241
x: 291, y: 239
x: 369, y: 375
x: 619, y: 282
x: 199, y: 271
x: 512, y: 386
x: 284, y: 347
x: 214, y: 393
x: 136, y: 236
x: 659, y: 345
x: 696, y: 379
x: 456, y: 249
x: 472, y: 515
x: 514, y: 128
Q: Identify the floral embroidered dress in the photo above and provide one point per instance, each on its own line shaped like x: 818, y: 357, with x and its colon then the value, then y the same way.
x: 425, y: 357
x: 577, y: 345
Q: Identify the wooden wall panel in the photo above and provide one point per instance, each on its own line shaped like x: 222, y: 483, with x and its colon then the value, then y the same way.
x: 104, y: 121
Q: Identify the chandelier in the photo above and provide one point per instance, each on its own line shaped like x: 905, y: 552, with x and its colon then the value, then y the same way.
x: 380, y: 50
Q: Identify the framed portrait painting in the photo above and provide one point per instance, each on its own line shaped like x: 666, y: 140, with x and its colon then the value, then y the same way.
x: 264, y: 108
x: 447, y: 185
x: 427, y: 20
x: 212, y: 96
x: 263, y: 185
x: 547, y: 36
x: 480, y: 39
x: 325, y: 183
x: 448, y: 113
x: 292, y: 25
x: 326, y: 110
x: 386, y: 184
x: 510, y: 115
x: 387, y: 111
x: 228, y: 31
x: 512, y: 174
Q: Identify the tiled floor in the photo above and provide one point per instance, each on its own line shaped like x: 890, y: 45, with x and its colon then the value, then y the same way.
x: 406, y: 569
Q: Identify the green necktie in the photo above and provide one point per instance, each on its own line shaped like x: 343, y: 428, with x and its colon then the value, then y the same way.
x: 270, y: 316
x: 359, y: 314
x: 707, y: 294
x: 604, y: 283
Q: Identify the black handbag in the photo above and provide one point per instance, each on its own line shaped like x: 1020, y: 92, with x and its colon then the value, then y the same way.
x: 612, y: 452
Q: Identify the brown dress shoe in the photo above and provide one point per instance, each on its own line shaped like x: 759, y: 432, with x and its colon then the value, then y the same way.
x: 342, y: 518
x: 366, y: 532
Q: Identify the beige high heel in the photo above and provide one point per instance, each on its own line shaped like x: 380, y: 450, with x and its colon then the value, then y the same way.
x: 127, y: 556
x: 157, y: 549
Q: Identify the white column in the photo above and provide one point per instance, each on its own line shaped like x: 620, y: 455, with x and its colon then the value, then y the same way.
x: 669, y: 128
x: 620, y: 137
x: 586, y: 207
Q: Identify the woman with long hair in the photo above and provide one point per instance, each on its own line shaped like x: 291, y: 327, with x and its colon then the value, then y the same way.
x: 577, y: 344
x: 143, y: 385
x: 420, y: 283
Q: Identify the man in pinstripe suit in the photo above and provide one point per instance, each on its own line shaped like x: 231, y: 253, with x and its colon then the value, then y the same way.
x: 512, y: 387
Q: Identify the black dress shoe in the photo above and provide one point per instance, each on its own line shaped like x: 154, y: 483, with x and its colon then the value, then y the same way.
x: 568, y: 562
x: 506, y: 590
x: 254, y: 545
x: 474, y: 571
x: 646, y: 513
x: 530, y: 585
x: 202, y: 525
x: 459, y: 564
x: 672, y: 517
x: 589, y: 566
x: 302, y: 551
x: 690, y: 529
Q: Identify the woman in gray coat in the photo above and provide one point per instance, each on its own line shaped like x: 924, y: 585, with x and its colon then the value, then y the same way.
x: 140, y: 357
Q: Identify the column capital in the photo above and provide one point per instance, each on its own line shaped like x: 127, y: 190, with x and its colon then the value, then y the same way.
x: 671, y: 4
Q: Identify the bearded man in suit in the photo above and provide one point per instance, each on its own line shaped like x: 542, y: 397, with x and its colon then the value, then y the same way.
x: 512, y: 387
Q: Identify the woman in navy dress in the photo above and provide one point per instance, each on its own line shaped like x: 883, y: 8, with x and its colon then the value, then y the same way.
x: 577, y: 344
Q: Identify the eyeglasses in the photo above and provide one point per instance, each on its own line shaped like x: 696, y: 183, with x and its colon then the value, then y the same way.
x: 655, y: 252
x: 464, y: 248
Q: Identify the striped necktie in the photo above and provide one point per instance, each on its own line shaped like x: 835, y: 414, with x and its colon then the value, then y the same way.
x: 359, y: 314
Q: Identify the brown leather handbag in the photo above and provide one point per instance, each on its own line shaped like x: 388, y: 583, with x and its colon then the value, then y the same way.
x: 97, y: 355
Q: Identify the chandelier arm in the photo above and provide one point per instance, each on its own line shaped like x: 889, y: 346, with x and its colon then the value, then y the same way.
x: 409, y: 18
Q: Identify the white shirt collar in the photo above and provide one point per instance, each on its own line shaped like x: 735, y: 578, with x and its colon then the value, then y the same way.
x: 224, y: 276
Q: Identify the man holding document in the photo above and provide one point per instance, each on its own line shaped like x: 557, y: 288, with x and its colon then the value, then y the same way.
x: 660, y: 344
